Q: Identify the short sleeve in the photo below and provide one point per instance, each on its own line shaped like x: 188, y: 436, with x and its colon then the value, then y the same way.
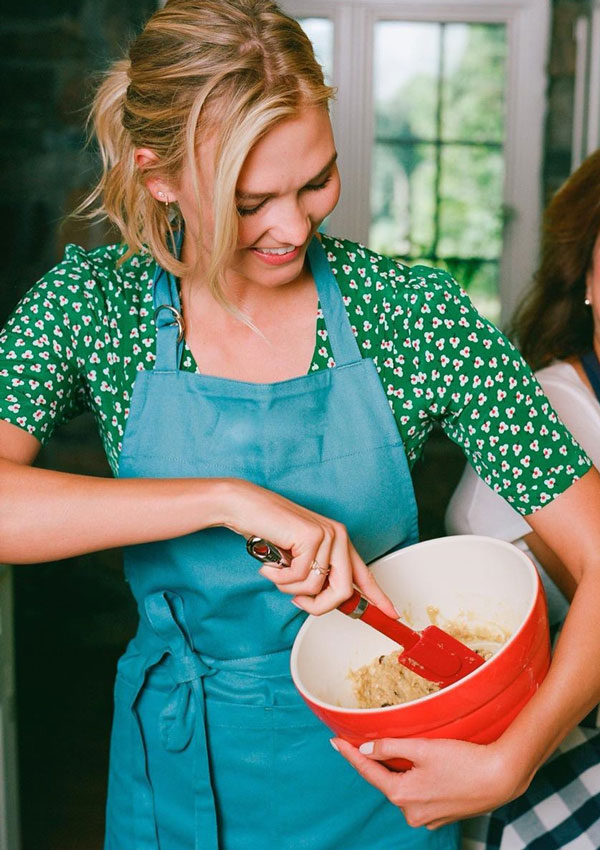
x: 40, y: 379
x: 488, y: 401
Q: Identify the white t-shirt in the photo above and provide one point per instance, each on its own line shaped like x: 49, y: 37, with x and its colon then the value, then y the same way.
x: 475, y: 509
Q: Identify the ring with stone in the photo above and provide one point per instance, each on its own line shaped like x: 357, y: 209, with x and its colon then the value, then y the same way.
x: 315, y: 568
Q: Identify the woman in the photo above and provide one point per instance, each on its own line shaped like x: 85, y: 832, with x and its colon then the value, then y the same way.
x: 194, y: 345
x: 558, y: 330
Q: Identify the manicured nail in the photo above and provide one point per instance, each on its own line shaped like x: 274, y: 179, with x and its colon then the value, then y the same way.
x: 334, y: 745
x: 366, y: 749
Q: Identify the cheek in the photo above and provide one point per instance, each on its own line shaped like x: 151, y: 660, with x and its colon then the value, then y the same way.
x: 249, y: 231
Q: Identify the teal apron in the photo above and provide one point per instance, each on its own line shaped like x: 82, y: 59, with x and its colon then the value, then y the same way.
x: 212, y: 747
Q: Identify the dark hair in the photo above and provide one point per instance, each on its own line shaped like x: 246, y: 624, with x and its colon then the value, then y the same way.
x: 552, y: 322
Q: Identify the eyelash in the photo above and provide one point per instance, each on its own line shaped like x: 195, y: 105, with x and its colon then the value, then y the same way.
x: 309, y: 188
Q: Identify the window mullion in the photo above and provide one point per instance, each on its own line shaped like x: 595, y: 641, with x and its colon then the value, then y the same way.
x: 355, y: 128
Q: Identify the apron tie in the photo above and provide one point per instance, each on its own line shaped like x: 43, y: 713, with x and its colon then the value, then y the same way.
x: 178, y: 720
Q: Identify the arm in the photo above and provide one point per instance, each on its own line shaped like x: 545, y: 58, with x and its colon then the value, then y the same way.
x: 475, y: 509
x: 494, y: 409
x: 47, y: 515
x: 434, y: 792
x: 555, y: 568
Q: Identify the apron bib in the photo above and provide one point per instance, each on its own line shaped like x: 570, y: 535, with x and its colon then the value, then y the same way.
x: 212, y: 747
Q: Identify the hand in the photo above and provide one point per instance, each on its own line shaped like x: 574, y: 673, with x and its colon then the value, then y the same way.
x: 311, y: 539
x: 450, y: 779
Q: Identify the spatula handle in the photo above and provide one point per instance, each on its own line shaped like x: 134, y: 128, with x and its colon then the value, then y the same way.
x: 359, y: 608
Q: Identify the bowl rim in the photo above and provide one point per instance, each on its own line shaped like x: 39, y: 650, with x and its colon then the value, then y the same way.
x: 362, y: 712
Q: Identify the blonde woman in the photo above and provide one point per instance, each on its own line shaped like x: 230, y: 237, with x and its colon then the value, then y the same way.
x: 250, y: 377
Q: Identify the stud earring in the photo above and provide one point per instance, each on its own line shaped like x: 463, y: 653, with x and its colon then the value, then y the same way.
x: 163, y: 198
x: 587, y: 302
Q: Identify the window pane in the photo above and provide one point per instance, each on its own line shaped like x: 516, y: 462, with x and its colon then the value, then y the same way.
x: 320, y: 32
x: 470, y: 202
x: 474, y: 76
x: 481, y: 279
x: 406, y: 60
x: 402, y: 199
x: 438, y: 166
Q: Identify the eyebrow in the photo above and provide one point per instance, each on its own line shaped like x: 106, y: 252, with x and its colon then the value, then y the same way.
x: 253, y: 196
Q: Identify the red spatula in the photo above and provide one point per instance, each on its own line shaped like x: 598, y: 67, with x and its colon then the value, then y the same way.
x: 433, y: 653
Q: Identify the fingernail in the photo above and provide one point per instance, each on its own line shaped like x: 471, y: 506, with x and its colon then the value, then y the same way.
x: 398, y: 614
x: 297, y: 604
x: 366, y: 749
x: 334, y: 745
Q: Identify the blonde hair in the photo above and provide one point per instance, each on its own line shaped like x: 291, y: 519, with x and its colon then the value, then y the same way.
x: 233, y: 68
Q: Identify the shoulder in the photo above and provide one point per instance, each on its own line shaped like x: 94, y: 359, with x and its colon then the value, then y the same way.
x: 575, y: 404
x: 563, y: 386
x: 561, y: 374
x: 357, y: 266
x: 104, y: 263
x: 87, y: 277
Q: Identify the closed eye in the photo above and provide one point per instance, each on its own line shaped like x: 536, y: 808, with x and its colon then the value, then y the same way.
x: 310, y: 187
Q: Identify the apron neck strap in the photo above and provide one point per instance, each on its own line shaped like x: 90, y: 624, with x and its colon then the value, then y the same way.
x: 591, y: 367
x: 167, y: 315
x: 169, y: 321
x: 343, y: 342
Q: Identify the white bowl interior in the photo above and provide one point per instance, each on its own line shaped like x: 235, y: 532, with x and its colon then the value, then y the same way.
x: 467, y: 577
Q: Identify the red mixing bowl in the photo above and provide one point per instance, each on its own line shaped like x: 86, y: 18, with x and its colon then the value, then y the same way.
x: 477, y: 580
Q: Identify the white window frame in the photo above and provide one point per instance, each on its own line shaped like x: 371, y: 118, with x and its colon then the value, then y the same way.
x: 527, y: 23
x: 586, y: 117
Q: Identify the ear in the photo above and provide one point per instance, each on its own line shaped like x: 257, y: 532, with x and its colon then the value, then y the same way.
x: 157, y: 187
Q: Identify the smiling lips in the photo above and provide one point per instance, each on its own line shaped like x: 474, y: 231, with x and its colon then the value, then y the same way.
x: 276, y: 256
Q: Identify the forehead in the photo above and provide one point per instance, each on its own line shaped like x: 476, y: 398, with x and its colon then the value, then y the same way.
x: 295, y: 150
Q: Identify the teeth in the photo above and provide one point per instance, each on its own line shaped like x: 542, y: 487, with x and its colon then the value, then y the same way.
x: 278, y: 251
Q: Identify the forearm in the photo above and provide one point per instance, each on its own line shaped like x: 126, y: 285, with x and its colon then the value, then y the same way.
x: 570, y: 690
x: 46, y: 515
x: 555, y: 568
x: 568, y: 526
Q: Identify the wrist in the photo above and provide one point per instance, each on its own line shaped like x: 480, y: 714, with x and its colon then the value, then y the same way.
x: 219, y: 499
x: 510, y: 769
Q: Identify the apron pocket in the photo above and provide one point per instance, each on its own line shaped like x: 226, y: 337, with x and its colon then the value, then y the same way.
x: 283, y: 785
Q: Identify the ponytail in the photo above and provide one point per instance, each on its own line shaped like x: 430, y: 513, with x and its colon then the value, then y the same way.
x: 229, y: 69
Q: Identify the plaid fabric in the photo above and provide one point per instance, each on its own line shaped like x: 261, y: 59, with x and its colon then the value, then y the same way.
x: 561, y: 808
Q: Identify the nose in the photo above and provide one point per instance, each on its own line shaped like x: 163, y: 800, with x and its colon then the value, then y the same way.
x: 293, y: 223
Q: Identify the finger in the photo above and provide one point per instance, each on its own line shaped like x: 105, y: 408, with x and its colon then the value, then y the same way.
x: 435, y: 824
x: 315, y: 576
x: 365, y: 581
x: 376, y: 774
x: 303, y: 554
x: 339, y: 585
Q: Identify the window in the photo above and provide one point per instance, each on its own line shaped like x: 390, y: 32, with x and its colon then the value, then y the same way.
x: 437, y: 163
x: 439, y: 122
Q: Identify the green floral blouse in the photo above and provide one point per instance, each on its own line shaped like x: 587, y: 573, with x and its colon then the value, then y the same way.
x: 77, y: 339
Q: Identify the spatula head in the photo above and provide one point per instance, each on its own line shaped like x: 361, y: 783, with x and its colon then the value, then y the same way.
x: 440, y: 658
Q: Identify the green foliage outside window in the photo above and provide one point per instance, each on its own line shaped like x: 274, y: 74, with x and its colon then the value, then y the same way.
x: 438, y: 166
